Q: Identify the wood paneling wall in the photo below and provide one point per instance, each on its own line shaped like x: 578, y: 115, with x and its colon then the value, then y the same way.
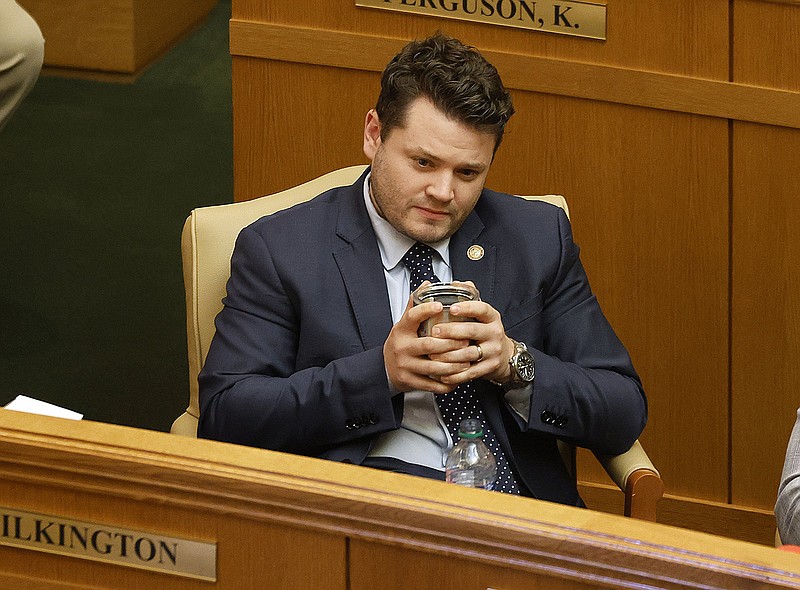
x: 765, y: 281
x: 675, y: 143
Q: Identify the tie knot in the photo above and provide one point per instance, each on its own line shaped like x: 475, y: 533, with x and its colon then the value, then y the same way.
x: 419, y: 262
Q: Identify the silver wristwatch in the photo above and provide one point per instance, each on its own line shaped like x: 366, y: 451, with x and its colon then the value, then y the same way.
x: 522, y: 367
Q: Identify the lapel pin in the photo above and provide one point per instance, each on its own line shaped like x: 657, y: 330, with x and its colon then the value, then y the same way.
x: 475, y: 252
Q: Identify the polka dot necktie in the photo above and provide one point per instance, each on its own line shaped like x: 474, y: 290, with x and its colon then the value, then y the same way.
x: 462, y: 403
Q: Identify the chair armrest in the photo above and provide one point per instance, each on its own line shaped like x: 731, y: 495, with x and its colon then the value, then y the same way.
x: 185, y: 425
x: 635, y: 475
x: 621, y: 467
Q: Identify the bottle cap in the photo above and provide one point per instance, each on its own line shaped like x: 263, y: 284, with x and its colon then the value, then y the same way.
x: 470, y: 428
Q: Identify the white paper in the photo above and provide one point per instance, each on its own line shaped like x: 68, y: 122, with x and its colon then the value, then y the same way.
x: 23, y: 403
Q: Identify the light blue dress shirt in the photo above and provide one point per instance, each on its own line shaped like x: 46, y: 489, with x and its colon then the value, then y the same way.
x: 423, y: 438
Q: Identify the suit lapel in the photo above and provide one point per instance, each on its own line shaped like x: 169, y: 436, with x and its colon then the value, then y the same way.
x: 479, y: 268
x: 360, y: 265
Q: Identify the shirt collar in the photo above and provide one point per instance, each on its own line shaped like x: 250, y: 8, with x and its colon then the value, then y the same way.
x: 392, y: 244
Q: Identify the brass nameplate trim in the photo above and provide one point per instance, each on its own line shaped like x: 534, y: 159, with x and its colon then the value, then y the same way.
x: 566, y: 17
x: 99, y: 542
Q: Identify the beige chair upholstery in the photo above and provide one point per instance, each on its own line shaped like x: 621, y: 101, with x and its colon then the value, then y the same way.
x: 207, y: 243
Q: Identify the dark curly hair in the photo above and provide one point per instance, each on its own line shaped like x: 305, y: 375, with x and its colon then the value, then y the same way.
x: 456, y: 78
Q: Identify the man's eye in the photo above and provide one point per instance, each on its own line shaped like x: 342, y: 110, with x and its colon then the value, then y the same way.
x: 422, y: 162
x: 469, y: 173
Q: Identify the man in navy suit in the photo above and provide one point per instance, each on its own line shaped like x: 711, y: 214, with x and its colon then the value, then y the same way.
x: 317, y: 349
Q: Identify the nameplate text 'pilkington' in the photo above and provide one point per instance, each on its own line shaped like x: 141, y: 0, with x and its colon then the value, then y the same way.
x: 107, y: 543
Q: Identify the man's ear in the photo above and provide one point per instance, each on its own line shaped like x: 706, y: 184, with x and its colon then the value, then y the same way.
x: 372, y: 134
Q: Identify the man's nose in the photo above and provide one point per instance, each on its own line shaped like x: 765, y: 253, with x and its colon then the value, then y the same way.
x: 441, y: 186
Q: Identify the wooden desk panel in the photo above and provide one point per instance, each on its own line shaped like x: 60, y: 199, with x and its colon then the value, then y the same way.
x: 765, y: 48
x: 766, y: 307
x: 682, y: 37
x: 298, y: 137
x: 283, y: 521
x: 765, y: 283
x: 115, y: 484
x: 112, y: 36
x: 634, y: 223
x: 442, y: 572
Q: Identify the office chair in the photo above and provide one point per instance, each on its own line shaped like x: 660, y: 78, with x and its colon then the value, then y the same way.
x: 207, y: 243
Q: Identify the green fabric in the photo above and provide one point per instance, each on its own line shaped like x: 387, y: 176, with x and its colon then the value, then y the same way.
x: 96, y: 180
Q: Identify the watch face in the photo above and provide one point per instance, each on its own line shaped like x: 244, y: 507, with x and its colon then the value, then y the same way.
x: 524, y: 366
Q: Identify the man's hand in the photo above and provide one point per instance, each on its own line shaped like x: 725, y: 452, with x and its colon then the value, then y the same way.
x: 489, y: 348
x: 425, y: 363
x: 456, y: 352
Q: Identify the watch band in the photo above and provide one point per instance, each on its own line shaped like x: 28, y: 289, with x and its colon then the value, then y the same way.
x: 522, y: 367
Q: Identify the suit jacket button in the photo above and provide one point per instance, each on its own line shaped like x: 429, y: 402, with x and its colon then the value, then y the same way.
x: 349, y: 425
x: 547, y: 417
x: 373, y: 419
x: 357, y: 423
x: 561, y: 422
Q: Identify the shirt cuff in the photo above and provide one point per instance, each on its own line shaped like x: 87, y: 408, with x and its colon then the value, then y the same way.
x: 519, y: 400
x: 392, y: 389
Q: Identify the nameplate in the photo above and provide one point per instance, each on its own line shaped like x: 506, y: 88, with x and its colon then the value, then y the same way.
x: 566, y: 17
x: 97, y: 542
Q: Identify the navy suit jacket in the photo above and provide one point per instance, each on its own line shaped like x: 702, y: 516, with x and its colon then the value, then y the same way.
x: 296, y: 363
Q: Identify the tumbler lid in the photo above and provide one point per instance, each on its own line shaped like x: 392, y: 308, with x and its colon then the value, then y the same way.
x: 447, y: 293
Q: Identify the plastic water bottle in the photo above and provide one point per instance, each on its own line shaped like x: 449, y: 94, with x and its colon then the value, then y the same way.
x: 470, y: 463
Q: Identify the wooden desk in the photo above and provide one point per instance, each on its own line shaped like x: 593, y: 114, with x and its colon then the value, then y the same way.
x: 117, y: 37
x: 282, y: 521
